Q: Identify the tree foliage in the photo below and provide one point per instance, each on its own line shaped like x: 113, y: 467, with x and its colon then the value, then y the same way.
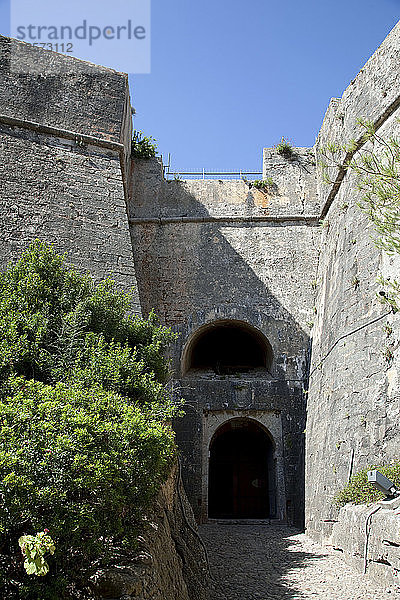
x: 376, y: 163
x: 34, y: 548
x: 84, y: 434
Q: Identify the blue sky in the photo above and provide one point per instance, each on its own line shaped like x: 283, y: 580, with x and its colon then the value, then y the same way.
x: 229, y: 77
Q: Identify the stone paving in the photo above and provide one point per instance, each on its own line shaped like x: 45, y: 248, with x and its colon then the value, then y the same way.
x: 271, y: 562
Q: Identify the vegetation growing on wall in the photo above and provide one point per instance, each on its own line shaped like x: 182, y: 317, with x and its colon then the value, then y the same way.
x: 359, y: 491
x: 143, y: 146
x: 84, y: 434
x: 264, y: 185
x: 285, y: 148
x: 377, y: 167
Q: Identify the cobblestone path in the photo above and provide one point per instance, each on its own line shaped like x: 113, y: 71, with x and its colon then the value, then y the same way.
x: 269, y: 562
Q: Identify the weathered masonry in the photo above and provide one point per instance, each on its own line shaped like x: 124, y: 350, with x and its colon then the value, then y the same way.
x: 257, y: 290
x: 65, y: 130
x: 232, y: 271
x: 353, y: 404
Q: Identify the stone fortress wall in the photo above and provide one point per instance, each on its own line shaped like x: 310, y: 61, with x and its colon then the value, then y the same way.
x: 353, y: 408
x: 65, y: 132
x: 353, y: 401
x: 65, y: 135
x: 211, y: 253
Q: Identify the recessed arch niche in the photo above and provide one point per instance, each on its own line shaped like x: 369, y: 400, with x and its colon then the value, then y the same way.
x: 226, y: 347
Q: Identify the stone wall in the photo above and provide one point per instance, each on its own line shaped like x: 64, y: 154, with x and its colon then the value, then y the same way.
x: 207, y: 251
x: 63, y: 92
x: 353, y: 403
x: 171, y: 563
x: 64, y: 142
x: 294, y: 181
x: 369, y: 538
x: 204, y: 244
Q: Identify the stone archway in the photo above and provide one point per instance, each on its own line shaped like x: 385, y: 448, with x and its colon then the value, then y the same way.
x: 242, y: 479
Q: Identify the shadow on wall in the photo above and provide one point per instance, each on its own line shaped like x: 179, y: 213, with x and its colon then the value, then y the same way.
x: 195, y: 270
x: 192, y: 262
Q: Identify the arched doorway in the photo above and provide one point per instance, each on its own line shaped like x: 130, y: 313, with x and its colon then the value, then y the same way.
x: 241, y: 472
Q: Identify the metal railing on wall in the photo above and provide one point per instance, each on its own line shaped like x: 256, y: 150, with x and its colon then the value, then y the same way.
x: 203, y: 174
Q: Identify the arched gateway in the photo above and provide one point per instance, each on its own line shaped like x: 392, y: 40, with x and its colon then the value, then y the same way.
x: 232, y: 437
x: 241, y: 472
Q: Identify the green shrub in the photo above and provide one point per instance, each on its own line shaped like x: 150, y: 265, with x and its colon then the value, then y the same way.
x: 82, y: 463
x: 265, y: 185
x: 143, y: 146
x: 34, y: 548
x: 49, y: 314
x: 359, y: 491
x: 84, y: 434
x: 285, y: 148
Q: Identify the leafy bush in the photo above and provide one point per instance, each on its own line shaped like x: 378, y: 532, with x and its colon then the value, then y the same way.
x: 143, y: 146
x: 50, y: 315
x: 34, y: 548
x: 359, y: 491
x: 84, y: 434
